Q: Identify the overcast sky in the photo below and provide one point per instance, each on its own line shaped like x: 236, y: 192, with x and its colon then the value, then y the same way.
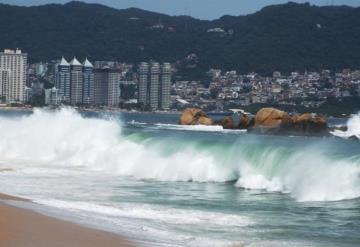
x: 203, y: 9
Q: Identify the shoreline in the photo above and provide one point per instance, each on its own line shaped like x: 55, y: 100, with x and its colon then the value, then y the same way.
x: 119, y: 110
x: 23, y: 227
x: 81, y: 109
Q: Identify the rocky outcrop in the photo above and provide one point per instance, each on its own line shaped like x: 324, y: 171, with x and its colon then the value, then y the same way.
x: 246, y: 122
x: 193, y: 116
x: 267, y: 120
x: 309, y: 123
x: 272, y: 118
x: 204, y: 120
x: 227, y: 123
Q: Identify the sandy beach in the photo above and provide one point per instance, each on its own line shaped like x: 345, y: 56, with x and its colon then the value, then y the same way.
x: 20, y: 228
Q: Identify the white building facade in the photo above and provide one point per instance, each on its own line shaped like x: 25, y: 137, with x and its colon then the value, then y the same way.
x: 13, y: 67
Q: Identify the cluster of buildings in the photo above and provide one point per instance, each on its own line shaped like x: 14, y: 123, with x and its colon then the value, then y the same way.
x: 154, y: 85
x: 229, y: 89
x: 81, y: 84
x: 149, y: 85
x: 105, y: 83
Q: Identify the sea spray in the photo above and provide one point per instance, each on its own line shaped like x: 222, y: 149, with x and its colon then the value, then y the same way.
x: 307, y: 175
x: 65, y: 139
x: 353, y: 128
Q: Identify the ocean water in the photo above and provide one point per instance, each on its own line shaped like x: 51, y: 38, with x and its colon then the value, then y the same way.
x: 161, y: 184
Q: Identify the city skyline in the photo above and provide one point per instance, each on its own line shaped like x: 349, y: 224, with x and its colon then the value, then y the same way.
x: 196, y: 9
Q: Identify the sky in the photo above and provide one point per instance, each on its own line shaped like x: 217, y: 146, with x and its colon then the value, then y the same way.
x: 202, y: 9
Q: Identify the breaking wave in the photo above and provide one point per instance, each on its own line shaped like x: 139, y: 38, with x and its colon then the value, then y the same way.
x: 353, y: 128
x: 65, y: 139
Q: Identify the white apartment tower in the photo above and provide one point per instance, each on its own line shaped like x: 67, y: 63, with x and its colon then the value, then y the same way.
x: 154, y: 85
x: 165, y: 86
x: 13, y: 66
x: 113, y: 90
x: 143, y: 83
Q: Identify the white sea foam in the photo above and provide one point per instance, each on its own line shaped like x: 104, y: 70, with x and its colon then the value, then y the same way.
x: 204, y: 128
x: 158, y: 225
x: 201, y: 128
x: 158, y: 213
x: 307, y: 175
x: 65, y: 141
x: 211, y: 128
x: 353, y: 128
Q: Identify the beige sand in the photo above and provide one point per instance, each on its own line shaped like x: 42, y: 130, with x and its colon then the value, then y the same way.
x: 24, y: 228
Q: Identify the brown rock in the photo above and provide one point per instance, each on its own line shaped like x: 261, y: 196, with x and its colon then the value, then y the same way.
x: 272, y: 118
x: 189, y: 116
x: 227, y: 123
x: 205, y: 120
x: 246, y: 122
x: 192, y: 116
x: 302, y: 118
x: 309, y: 123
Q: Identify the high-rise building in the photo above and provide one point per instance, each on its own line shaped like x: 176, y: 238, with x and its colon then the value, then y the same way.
x: 143, y: 83
x: 88, y: 83
x: 113, y: 88
x: 4, y: 82
x: 100, y: 86
x: 62, y: 81
x: 13, y: 67
x: 107, y: 86
x: 165, y: 86
x: 154, y: 85
x: 76, y: 82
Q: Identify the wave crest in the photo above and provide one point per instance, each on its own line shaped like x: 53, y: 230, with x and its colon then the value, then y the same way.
x: 353, y: 128
x: 65, y: 139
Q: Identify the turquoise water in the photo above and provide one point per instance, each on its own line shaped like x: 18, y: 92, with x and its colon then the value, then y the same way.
x: 162, y: 184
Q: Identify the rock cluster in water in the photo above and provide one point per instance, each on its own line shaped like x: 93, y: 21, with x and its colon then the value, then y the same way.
x: 267, y: 120
x: 193, y: 116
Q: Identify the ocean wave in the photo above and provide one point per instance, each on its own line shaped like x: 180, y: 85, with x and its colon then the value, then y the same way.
x: 158, y: 225
x: 64, y: 139
x: 353, y: 128
x: 158, y: 213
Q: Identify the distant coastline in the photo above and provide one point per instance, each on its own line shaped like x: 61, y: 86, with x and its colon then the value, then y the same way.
x: 86, y: 109
x: 96, y: 109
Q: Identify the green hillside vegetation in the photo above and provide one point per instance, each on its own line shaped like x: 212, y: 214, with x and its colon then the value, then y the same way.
x: 284, y: 37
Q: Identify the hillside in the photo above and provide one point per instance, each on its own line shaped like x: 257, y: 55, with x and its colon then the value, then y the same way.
x: 280, y: 37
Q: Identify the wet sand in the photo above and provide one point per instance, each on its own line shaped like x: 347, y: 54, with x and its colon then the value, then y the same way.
x: 25, y: 228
